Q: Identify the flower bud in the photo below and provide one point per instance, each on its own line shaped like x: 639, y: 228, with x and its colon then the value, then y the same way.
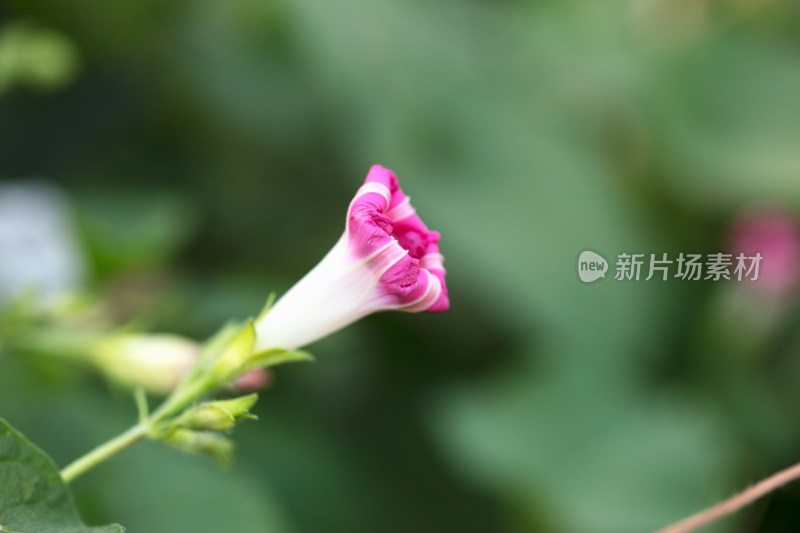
x: 217, y: 415
x: 155, y: 362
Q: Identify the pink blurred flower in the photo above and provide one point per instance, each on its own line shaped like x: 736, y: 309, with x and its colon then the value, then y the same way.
x: 386, y: 259
x: 776, y: 236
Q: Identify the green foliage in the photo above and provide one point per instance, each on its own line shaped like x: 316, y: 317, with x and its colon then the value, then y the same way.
x: 33, y: 498
x: 187, y: 494
x: 134, y: 230
x: 35, y: 57
x: 524, y: 132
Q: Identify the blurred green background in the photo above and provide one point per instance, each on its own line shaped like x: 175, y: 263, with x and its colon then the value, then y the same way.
x: 208, y: 151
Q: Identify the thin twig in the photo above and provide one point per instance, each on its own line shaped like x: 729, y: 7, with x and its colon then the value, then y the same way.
x: 736, y: 502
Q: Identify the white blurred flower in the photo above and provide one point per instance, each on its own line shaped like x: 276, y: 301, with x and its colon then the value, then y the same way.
x: 39, y: 250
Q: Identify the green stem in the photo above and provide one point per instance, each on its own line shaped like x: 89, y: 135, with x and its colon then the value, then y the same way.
x: 104, y: 451
x: 182, y: 397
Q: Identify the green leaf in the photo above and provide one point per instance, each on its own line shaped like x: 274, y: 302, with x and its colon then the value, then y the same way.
x: 33, y: 497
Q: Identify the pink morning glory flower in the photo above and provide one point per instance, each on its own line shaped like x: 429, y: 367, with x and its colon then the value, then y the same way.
x: 386, y: 259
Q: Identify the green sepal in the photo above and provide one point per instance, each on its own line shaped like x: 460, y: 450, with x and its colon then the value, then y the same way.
x: 33, y: 497
x: 267, y: 307
x: 233, y: 359
x: 237, y: 357
x: 216, y: 415
x: 214, y: 346
x: 277, y: 356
